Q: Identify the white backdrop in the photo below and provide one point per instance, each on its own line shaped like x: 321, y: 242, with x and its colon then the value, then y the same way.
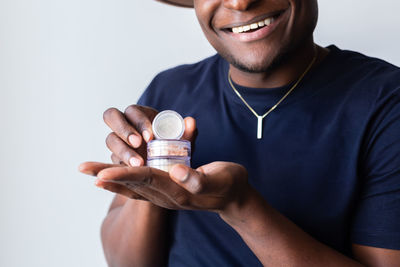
x: 62, y: 63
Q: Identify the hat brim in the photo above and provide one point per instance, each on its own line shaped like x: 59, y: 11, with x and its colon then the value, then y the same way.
x: 181, y: 3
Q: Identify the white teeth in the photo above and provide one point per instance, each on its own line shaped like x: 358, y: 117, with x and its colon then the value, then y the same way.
x: 253, y: 26
x: 268, y: 21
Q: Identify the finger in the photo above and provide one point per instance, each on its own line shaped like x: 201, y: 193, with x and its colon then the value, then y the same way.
x: 141, y: 118
x: 135, y: 192
x: 119, y: 189
x: 153, y: 184
x: 135, y: 175
x: 146, y: 177
x: 213, y: 178
x: 193, y: 181
x: 124, y: 152
x: 190, y: 129
x: 93, y: 168
x: 116, y: 120
x: 116, y: 160
x: 149, y: 194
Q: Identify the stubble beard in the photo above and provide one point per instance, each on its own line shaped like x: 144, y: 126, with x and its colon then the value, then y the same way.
x: 265, y: 66
x: 268, y: 64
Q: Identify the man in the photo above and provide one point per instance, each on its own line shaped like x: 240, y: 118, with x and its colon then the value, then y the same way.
x: 296, y: 151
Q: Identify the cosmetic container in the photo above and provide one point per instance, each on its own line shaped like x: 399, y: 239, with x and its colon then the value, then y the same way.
x: 167, y: 149
x: 165, y: 164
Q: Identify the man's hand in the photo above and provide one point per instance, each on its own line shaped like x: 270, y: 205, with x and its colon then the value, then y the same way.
x: 130, y: 129
x: 212, y: 187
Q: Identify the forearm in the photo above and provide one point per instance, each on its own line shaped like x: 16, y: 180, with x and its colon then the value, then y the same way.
x: 275, y: 240
x: 133, y: 234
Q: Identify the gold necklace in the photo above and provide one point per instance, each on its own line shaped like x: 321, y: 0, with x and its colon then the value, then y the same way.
x: 261, y: 117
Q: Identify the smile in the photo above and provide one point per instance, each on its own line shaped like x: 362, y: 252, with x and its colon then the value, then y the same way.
x: 253, y: 26
x: 258, y: 28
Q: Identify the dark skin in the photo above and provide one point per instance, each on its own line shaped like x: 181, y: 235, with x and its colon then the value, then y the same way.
x: 145, y: 194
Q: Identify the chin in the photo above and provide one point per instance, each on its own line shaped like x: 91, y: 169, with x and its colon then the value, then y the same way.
x: 254, y: 62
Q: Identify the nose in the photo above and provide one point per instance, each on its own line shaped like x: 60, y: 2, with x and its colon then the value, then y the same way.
x: 240, y: 5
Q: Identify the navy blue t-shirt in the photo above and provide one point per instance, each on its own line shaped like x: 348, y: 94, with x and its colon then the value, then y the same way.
x: 329, y: 159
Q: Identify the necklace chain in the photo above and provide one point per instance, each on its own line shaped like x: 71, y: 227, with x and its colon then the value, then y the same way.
x: 261, y: 117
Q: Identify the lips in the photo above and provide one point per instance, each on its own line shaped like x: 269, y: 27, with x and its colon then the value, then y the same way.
x: 257, y: 28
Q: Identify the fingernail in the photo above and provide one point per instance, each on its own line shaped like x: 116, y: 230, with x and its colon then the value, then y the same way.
x: 98, y: 183
x: 146, y: 135
x: 180, y: 173
x: 134, y: 161
x: 134, y: 140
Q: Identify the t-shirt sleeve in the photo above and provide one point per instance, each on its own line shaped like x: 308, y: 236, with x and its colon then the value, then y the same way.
x: 143, y: 99
x: 158, y: 94
x: 149, y: 96
x: 377, y: 219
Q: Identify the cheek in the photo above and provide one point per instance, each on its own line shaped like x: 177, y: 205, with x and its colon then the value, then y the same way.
x: 205, y: 12
x: 306, y: 16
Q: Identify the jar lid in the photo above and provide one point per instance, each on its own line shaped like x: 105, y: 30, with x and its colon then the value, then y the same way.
x: 168, y: 124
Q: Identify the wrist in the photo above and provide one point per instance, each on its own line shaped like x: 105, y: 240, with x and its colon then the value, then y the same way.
x: 239, y: 210
x: 145, y: 208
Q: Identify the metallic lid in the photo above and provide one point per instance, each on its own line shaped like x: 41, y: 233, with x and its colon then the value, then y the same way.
x: 168, y: 124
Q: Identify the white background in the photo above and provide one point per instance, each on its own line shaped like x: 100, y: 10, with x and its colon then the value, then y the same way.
x: 62, y: 63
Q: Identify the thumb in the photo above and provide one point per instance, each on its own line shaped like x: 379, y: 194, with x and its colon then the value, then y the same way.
x: 210, y: 178
x: 190, y: 129
x: 191, y: 180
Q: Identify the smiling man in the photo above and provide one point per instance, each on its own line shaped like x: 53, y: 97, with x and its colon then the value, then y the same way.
x: 296, y: 159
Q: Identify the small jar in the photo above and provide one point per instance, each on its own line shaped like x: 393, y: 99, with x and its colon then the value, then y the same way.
x: 165, y: 164
x: 167, y: 150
